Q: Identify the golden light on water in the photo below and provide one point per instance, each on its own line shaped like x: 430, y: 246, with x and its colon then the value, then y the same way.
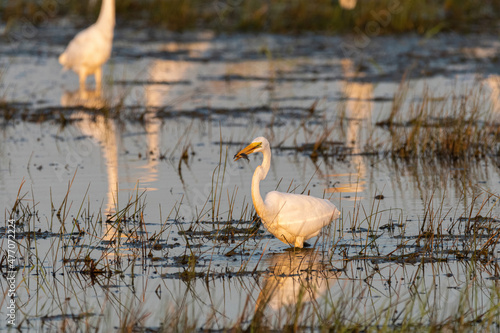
x: 355, y: 186
x: 347, y: 188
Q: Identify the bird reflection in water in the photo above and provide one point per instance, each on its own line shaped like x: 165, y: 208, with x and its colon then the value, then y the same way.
x: 359, y: 105
x: 90, y: 99
x: 493, y: 83
x: 103, y: 131
x: 99, y: 128
x: 296, y: 278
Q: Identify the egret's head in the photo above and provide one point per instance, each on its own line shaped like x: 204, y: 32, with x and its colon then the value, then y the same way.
x: 257, y: 145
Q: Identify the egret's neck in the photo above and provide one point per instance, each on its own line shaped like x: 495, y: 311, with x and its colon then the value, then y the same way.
x: 106, y: 18
x: 260, y: 174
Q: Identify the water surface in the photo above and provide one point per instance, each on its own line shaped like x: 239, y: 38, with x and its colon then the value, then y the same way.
x: 173, y: 111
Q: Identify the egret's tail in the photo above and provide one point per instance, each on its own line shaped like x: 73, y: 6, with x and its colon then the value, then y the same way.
x: 62, y: 59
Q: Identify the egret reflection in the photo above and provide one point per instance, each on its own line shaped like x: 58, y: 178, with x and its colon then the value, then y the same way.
x: 101, y: 129
x: 90, y: 99
x: 295, y: 277
x: 493, y: 82
x: 359, y: 105
x: 104, y: 131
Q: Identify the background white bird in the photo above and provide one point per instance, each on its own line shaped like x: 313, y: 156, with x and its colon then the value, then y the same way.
x: 91, y: 48
x: 348, y: 4
x: 292, y: 218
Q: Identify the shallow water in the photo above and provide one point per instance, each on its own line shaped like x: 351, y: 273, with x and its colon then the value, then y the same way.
x: 209, y: 96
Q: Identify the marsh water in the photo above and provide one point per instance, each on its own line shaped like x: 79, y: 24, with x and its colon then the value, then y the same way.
x: 134, y: 213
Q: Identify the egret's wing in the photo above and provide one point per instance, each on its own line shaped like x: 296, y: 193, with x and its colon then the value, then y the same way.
x: 301, y: 215
x: 88, y: 48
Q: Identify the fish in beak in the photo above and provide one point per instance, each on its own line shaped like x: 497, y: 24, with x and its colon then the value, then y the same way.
x: 247, y: 150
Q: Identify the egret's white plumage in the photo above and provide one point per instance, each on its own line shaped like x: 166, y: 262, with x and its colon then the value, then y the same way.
x: 91, y: 48
x: 348, y: 4
x: 292, y: 218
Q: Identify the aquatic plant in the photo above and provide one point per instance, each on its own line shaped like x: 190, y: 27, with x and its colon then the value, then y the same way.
x: 448, y: 127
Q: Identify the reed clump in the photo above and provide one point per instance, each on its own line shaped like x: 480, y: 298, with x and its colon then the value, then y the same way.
x: 450, y: 127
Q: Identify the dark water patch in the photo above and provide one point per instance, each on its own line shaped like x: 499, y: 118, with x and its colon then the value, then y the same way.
x: 479, y: 219
x: 314, y: 150
x: 58, y: 114
x: 381, y: 99
x: 185, y: 259
x: 146, y: 82
x: 189, y: 275
x: 226, y: 234
x: 494, y: 278
x: 278, y: 78
x: 444, y: 237
x: 290, y: 111
x: 321, y: 148
x: 137, y: 53
x: 293, y: 98
x: 111, y: 286
x: 410, y: 258
x: 44, y: 234
x: 391, y: 226
x: 75, y: 317
x: 436, y: 122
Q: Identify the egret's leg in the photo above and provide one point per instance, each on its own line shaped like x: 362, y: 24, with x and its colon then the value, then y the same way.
x: 98, y: 78
x: 299, y: 242
x: 82, y: 76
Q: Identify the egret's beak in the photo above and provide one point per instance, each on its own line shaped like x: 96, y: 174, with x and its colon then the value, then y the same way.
x: 247, y: 150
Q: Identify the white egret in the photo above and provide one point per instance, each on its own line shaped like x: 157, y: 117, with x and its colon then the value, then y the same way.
x: 91, y: 48
x: 292, y: 218
x: 348, y: 4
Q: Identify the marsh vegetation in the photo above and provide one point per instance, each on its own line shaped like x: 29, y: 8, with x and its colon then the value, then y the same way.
x: 275, y: 16
x: 130, y: 214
